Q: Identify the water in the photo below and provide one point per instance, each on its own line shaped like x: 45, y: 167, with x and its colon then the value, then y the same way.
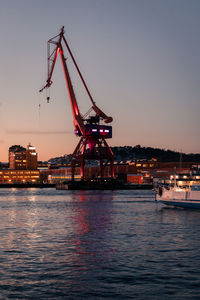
x: 96, y: 245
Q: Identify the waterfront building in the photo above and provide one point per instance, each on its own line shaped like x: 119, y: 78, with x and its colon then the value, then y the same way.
x: 133, y: 171
x: 19, y: 176
x: 135, y: 178
x: 17, y: 157
x: 22, y: 166
x: 31, y: 158
x: 21, y: 158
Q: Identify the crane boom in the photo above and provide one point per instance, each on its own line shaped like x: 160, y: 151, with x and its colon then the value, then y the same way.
x: 97, y: 110
x: 78, y: 120
x: 51, y: 64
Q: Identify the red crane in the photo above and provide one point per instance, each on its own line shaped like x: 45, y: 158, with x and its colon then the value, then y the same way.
x: 92, y: 144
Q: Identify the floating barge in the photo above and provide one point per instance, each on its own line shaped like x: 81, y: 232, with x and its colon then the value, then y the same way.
x: 101, y: 184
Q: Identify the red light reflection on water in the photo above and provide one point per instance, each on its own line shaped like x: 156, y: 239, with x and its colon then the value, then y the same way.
x: 93, y: 221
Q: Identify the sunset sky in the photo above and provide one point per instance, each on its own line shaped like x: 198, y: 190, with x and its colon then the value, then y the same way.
x: 139, y: 58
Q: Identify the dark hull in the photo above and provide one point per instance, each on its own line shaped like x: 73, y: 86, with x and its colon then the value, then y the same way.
x: 102, y: 186
x: 183, y: 204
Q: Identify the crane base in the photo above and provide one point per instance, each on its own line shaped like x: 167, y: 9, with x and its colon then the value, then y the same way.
x: 93, y: 148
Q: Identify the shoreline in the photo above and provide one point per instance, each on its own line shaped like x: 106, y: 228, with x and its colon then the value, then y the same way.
x: 78, y: 186
x: 27, y: 185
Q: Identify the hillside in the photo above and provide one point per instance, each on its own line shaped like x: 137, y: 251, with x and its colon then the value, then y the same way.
x: 138, y: 152
x: 124, y: 153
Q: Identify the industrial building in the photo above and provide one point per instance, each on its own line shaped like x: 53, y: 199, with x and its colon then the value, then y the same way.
x: 133, y: 172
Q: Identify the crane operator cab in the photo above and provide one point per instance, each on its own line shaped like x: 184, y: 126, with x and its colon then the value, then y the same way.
x: 96, y: 130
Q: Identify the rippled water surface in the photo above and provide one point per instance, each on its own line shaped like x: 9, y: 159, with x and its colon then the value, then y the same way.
x: 96, y: 245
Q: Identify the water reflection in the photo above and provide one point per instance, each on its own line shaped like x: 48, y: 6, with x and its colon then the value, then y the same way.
x: 93, y: 224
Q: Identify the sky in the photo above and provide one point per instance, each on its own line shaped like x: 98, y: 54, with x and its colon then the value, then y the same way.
x: 139, y: 58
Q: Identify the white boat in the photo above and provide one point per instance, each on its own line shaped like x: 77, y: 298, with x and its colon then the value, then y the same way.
x: 187, y: 197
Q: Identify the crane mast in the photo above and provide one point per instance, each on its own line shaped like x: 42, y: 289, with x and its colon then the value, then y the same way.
x: 92, y: 145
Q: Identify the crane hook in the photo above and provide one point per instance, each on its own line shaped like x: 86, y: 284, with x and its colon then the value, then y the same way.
x: 48, y: 98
